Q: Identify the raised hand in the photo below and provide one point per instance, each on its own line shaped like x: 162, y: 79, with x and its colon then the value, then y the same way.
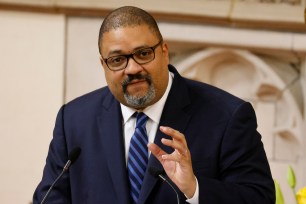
x: 177, y: 165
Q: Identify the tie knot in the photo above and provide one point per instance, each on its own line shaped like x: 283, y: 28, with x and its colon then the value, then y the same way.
x: 141, y: 119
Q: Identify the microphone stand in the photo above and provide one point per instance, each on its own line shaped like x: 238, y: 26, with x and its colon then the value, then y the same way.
x: 72, y: 157
x: 159, y: 173
x: 51, y: 187
x: 166, y: 180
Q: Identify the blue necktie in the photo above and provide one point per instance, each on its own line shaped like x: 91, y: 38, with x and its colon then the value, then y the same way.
x: 138, y: 156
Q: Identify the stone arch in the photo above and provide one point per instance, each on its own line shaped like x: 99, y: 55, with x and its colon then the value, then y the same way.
x: 250, y: 77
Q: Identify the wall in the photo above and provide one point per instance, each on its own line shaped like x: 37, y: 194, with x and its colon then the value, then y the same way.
x: 31, y: 89
x: 84, y: 70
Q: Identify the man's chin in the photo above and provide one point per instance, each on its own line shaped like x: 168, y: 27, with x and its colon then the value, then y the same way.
x: 139, y: 98
x: 137, y: 94
x: 137, y: 101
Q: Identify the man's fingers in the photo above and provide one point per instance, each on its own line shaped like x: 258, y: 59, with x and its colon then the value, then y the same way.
x: 156, y: 151
x: 178, y: 141
x: 175, y: 134
x: 177, y: 145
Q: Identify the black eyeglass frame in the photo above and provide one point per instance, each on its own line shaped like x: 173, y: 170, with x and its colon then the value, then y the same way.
x: 128, y: 56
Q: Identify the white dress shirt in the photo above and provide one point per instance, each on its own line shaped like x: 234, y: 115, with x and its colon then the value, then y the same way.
x: 154, y: 113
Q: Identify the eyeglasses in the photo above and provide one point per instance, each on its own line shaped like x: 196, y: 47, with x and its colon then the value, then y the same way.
x: 141, y: 56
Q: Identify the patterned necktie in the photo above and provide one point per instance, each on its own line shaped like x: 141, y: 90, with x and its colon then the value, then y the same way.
x: 138, y: 156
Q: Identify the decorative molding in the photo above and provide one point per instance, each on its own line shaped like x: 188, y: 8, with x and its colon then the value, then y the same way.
x: 195, y: 37
x: 262, y: 14
x: 291, y: 2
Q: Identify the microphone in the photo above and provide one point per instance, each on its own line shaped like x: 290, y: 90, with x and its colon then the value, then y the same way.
x: 159, y: 173
x: 72, y: 157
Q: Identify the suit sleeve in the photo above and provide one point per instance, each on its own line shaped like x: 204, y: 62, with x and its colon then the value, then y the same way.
x: 243, y: 172
x: 56, y: 159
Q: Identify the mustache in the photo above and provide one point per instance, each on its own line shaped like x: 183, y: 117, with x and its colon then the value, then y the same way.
x: 130, y: 78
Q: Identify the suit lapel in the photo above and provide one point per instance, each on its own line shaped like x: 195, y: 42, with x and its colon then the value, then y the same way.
x: 110, y: 129
x: 175, y: 116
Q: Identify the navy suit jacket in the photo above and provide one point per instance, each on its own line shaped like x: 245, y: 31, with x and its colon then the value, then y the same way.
x: 228, y: 157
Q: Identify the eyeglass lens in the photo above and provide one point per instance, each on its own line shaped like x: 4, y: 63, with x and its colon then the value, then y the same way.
x: 141, y: 57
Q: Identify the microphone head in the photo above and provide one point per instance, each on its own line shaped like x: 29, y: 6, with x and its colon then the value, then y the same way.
x: 74, y: 154
x: 155, y: 171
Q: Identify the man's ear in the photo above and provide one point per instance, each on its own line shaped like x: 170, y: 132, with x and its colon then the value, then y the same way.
x: 165, y: 47
x: 101, y: 61
x: 165, y: 51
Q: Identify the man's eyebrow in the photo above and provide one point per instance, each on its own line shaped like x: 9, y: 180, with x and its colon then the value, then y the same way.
x: 140, y: 47
x: 120, y: 52
x: 115, y: 52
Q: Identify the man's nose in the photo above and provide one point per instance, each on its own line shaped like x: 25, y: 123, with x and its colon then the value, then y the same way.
x: 132, y: 67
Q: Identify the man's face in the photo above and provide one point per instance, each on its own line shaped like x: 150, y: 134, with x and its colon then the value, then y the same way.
x: 136, y: 86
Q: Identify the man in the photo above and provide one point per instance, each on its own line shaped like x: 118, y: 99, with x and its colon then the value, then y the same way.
x: 203, y: 138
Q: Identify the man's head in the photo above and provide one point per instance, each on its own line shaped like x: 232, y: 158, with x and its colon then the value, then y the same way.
x: 128, y: 16
x: 134, y: 57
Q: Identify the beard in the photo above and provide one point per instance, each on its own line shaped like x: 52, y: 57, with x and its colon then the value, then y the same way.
x: 138, y: 102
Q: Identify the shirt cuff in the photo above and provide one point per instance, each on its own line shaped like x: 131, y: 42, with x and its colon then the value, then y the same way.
x: 195, y: 198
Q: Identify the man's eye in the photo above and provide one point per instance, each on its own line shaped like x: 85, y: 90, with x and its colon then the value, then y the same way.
x: 116, y: 60
x: 144, y: 53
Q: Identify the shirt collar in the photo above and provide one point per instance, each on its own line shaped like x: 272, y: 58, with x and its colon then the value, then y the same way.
x: 154, y: 111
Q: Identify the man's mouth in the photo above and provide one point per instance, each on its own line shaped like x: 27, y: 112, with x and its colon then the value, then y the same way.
x: 134, y: 81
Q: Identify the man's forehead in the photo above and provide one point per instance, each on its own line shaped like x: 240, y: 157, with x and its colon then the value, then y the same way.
x: 128, y: 27
x: 131, y: 38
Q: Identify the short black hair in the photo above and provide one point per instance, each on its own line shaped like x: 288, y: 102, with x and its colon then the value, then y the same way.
x: 128, y: 16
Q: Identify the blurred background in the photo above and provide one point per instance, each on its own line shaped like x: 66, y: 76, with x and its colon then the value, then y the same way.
x: 254, y: 49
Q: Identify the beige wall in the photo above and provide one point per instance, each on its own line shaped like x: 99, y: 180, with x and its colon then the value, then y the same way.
x: 84, y: 70
x: 31, y: 89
